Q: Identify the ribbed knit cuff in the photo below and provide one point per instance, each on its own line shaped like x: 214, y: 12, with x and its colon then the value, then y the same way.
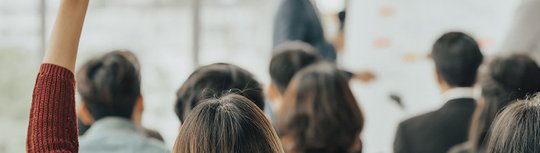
x: 55, y: 70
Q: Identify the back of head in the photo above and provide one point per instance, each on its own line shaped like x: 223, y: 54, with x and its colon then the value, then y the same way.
x: 506, y: 79
x: 110, y: 85
x: 230, y: 124
x: 289, y: 58
x: 320, y: 113
x: 457, y: 58
x: 516, y: 129
x: 213, y: 81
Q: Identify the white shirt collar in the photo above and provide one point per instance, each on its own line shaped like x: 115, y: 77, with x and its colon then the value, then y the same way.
x: 458, y: 93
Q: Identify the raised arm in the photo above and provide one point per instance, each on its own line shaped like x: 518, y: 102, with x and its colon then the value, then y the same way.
x: 64, y: 43
x: 53, y: 123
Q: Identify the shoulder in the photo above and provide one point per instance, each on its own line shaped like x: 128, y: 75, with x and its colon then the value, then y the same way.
x: 121, y: 143
x: 292, y: 6
x: 153, y: 145
x: 418, y: 120
x: 461, y: 148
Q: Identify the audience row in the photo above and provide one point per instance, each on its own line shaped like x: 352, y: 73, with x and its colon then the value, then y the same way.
x: 222, y: 108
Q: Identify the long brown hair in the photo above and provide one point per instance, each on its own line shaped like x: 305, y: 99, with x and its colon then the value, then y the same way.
x: 230, y: 124
x: 506, y: 79
x: 320, y: 113
x: 516, y: 129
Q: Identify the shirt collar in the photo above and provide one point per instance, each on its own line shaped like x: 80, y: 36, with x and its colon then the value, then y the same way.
x: 458, y: 93
x: 112, y: 124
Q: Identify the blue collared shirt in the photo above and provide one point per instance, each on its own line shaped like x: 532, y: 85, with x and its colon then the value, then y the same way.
x: 118, y: 135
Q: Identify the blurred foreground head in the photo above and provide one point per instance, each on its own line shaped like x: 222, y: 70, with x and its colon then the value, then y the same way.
x: 506, y: 79
x: 230, y: 124
x: 515, y: 130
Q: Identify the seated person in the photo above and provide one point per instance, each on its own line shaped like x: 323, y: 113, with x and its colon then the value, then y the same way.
x: 506, y: 79
x: 457, y: 58
x: 227, y: 124
x: 516, y: 129
x: 289, y: 58
x: 110, y: 88
x: 213, y: 81
x: 319, y: 113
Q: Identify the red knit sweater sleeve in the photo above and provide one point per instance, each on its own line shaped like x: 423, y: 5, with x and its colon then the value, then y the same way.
x: 53, y: 126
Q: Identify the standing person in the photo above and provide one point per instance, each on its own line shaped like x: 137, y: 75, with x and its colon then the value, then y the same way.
x: 457, y: 58
x: 319, y: 113
x: 299, y: 20
x: 110, y: 88
x: 53, y: 123
x: 228, y: 124
x: 507, y: 79
x: 516, y: 129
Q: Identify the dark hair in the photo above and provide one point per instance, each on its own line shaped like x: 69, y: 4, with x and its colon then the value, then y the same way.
x: 289, y: 58
x: 213, y: 81
x: 320, y: 113
x: 342, y: 16
x: 230, y: 124
x: 457, y: 58
x: 110, y: 85
x: 516, y: 129
x: 506, y: 79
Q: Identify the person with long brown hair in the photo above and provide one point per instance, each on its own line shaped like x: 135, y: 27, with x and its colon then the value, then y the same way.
x: 230, y: 124
x: 516, y: 129
x: 506, y: 79
x: 320, y: 113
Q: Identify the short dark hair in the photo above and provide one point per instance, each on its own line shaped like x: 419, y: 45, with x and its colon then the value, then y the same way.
x: 110, y: 85
x: 213, y: 81
x: 506, y: 78
x: 516, y: 129
x: 320, y: 113
x: 230, y: 124
x: 289, y: 58
x: 457, y: 58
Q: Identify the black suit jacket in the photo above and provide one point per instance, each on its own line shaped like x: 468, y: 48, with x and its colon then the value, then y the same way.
x: 437, y: 131
x: 298, y: 20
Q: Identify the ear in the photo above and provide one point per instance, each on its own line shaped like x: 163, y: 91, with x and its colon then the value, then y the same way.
x: 438, y: 75
x: 273, y: 92
x: 136, y: 117
x: 85, y: 115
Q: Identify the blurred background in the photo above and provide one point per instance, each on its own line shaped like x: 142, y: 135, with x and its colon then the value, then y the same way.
x: 172, y: 37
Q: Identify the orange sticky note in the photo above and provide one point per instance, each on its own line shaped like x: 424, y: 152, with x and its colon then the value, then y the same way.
x: 387, y: 11
x: 381, y: 43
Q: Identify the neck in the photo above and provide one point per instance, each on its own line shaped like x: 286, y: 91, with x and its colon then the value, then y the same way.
x: 445, y: 87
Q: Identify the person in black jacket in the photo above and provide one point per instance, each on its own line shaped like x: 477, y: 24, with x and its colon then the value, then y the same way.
x: 298, y: 20
x: 457, y: 58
